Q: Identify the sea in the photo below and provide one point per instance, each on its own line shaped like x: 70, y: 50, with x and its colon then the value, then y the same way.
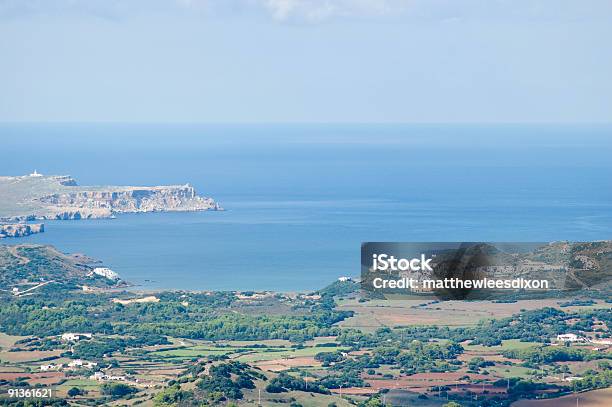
x: 300, y: 199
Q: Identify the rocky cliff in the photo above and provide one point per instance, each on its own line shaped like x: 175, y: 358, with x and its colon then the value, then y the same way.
x: 60, y: 197
x: 96, y: 204
x: 20, y: 229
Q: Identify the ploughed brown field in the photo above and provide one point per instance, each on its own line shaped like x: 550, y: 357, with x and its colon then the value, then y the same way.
x: 28, y: 356
x: 44, y: 378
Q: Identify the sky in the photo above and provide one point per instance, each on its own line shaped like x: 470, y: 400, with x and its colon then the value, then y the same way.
x: 264, y: 61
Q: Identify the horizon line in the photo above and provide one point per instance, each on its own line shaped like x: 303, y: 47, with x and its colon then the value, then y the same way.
x: 272, y: 123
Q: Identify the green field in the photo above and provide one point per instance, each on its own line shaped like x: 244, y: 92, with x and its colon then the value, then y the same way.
x: 509, y: 371
x: 244, y: 354
x: 191, y: 352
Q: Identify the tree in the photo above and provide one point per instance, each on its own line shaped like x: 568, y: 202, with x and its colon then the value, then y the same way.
x: 373, y: 401
x: 171, y: 396
x: 117, y: 389
x: 74, y: 391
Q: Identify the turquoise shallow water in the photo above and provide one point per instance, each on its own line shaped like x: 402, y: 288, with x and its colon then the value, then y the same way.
x: 301, y: 198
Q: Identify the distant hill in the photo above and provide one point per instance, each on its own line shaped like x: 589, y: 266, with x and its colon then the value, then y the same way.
x: 564, y: 266
x: 26, y: 266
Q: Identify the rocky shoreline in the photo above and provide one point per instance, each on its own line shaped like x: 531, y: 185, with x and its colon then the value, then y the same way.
x: 20, y: 229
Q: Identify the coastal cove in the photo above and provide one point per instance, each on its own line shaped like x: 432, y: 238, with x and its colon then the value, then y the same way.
x: 300, y: 200
x: 274, y: 245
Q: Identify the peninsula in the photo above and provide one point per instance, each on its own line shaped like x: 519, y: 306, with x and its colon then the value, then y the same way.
x: 40, y: 197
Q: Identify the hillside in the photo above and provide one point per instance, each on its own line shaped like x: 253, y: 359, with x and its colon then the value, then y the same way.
x: 27, y: 265
x: 564, y: 266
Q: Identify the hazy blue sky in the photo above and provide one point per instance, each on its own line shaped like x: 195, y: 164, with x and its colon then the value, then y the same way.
x: 306, y: 60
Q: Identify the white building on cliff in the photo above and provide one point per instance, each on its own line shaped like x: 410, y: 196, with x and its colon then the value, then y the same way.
x: 106, y: 272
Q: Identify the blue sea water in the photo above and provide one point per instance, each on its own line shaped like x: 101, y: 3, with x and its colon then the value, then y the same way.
x: 301, y: 198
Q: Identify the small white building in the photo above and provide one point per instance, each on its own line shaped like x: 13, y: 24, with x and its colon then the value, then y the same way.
x: 82, y: 363
x: 569, y: 338
x: 100, y: 376
x: 106, y: 272
x: 35, y: 174
x: 69, y: 336
x: 50, y: 366
x: 344, y: 279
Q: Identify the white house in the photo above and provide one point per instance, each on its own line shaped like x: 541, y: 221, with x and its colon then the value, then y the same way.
x: 82, y: 363
x: 106, y: 272
x: 101, y: 376
x: 69, y: 336
x: 98, y: 376
x: 569, y: 338
x: 344, y: 279
x: 51, y: 366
